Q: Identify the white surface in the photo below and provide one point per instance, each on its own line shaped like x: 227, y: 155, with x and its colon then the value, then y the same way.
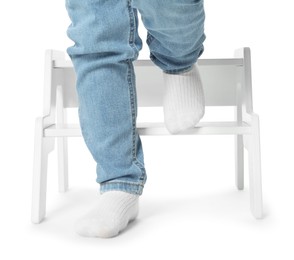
x: 209, y: 217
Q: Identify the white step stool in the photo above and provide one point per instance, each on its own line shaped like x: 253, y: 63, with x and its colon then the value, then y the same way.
x: 227, y: 82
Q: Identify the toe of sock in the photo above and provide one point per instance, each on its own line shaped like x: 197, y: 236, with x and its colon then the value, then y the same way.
x: 178, y: 124
x: 94, y: 228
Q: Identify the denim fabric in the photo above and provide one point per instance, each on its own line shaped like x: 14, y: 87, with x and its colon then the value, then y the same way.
x: 106, y: 42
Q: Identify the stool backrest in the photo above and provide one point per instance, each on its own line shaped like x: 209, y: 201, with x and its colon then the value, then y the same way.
x: 220, y: 77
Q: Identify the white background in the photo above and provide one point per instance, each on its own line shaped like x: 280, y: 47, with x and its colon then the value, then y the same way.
x: 190, y: 208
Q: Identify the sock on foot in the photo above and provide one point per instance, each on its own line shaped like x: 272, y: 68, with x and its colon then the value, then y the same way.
x: 183, y: 100
x: 113, y: 212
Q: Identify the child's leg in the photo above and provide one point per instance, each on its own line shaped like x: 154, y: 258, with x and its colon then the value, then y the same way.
x: 175, y: 38
x: 106, y: 43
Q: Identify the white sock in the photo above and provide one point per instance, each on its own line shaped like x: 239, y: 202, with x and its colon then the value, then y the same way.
x: 183, y: 100
x: 115, y: 209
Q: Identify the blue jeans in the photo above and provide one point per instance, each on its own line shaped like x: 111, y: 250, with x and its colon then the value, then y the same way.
x: 106, y: 42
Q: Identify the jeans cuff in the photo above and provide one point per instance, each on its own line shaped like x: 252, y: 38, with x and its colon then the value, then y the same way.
x: 129, y: 187
x: 178, y: 71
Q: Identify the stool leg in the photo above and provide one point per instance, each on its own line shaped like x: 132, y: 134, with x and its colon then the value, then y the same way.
x: 62, y: 164
x: 61, y: 143
x: 239, y: 145
x: 255, y: 170
x: 239, y: 162
x: 43, y: 146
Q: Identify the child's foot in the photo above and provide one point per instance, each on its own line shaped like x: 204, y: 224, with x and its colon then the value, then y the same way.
x: 183, y: 100
x: 115, y: 209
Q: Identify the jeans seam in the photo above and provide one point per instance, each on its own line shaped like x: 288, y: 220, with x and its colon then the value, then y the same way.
x: 134, y: 146
x: 149, y: 39
x: 131, y: 91
x: 122, y: 182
